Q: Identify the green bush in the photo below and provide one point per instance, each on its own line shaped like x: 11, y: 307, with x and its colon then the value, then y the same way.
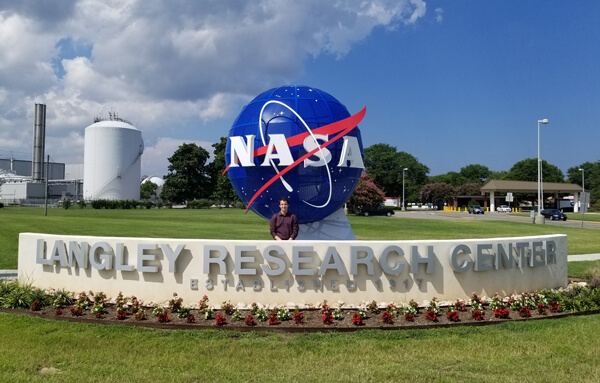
x: 199, y: 204
x: 66, y: 204
x: 1, y: 205
x: 16, y: 296
x: 147, y: 204
x: 111, y: 204
x: 129, y: 204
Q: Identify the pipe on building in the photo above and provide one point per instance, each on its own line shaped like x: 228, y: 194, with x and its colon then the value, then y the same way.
x: 39, y: 143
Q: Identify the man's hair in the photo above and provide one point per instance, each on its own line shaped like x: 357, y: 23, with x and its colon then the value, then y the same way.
x: 284, y: 199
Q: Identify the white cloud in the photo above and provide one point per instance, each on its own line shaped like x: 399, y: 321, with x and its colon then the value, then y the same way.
x: 439, y: 15
x: 170, y: 67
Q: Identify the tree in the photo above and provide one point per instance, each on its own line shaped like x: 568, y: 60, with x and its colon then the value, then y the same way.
x: 223, y: 191
x: 473, y: 188
x: 575, y: 176
x: 384, y: 166
x: 475, y: 173
x: 452, y: 178
x: 148, y: 190
x: 437, y: 193
x: 366, y: 194
x: 591, y: 172
x: 498, y: 175
x: 526, y: 170
x: 188, y: 176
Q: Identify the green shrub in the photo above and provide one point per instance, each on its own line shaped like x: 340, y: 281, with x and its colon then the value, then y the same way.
x: 592, y: 274
x: 66, y: 204
x: 61, y: 298
x: 199, y: 204
x: 239, y: 205
x: 16, y: 296
x: 147, y: 204
x: 129, y: 204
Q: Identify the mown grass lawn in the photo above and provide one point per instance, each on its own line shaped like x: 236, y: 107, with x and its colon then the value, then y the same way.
x: 534, y: 351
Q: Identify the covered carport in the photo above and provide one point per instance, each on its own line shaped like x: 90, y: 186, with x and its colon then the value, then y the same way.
x: 502, y: 187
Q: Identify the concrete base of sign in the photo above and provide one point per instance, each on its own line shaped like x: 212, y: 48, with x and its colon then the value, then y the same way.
x: 293, y: 272
x: 540, y: 219
x: 332, y: 228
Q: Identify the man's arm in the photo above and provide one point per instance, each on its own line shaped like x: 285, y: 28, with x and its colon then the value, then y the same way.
x: 273, y: 227
x: 294, y: 233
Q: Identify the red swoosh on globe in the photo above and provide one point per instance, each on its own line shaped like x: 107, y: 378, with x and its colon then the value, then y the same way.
x: 325, y: 129
x: 345, y: 125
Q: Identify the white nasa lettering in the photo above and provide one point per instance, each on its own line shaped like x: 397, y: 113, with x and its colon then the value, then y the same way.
x: 324, y: 154
x: 351, y: 153
x: 243, y: 152
x: 278, y: 143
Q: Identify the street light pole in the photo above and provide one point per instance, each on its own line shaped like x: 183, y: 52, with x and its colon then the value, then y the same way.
x: 539, y: 174
x: 581, y: 202
x: 403, y: 201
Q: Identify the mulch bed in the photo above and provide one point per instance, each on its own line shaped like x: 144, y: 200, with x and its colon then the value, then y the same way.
x: 312, y: 320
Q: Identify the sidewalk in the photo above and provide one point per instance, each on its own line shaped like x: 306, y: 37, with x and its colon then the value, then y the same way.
x: 583, y: 257
x: 13, y: 274
x: 8, y: 274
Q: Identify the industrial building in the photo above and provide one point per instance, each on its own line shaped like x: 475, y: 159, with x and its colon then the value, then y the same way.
x: 111, y: 168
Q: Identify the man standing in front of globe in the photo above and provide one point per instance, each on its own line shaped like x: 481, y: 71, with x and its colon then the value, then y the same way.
x: 284, y: 225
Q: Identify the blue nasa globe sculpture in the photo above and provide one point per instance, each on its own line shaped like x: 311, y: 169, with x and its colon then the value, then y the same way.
x: 317, y: 185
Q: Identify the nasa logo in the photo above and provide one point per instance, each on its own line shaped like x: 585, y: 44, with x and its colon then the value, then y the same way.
x: 296, y: 142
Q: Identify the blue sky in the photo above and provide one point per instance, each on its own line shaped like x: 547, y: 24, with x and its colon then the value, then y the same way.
x: 451, y: 82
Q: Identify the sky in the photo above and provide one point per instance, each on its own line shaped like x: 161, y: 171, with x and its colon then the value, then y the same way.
x: 452, y: 82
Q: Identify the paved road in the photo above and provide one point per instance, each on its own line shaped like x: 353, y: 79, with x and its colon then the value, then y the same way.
x: 489, y: 216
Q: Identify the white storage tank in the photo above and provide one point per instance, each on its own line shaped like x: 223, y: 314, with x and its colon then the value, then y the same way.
x: 112, y: 160
x: 159, y: 182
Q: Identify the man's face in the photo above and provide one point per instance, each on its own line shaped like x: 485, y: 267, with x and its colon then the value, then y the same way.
x: 284, y: 207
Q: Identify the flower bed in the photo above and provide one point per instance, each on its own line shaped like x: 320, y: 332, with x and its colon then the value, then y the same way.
x: 97, y: 308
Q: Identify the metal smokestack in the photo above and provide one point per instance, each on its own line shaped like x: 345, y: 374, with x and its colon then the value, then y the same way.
x: 39, y: 142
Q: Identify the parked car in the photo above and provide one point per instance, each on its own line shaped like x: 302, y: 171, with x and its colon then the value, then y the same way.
x: 503, y: 209
x: 476, y: 209
x: 553, y: 214
x: 375, y: 210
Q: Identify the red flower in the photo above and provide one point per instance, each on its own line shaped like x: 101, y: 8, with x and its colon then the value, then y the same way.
x: 357, y: 319
x: 220, y: 320
x: 477, y: 315
x: 121, y: 314
x: 409, y: 317
x: 431, y: 315
x: 273, y: 320
x: 298, y: 318
x: 502, y: 313
x: 452, y: 316
x: 76, y: 311
x: 541, y: 309
x: 327, y: 317
x: 250, y: 321
x: 163, y: 317
x: 387, y: 318
x: 554, y: 307
x: 525, y: 312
